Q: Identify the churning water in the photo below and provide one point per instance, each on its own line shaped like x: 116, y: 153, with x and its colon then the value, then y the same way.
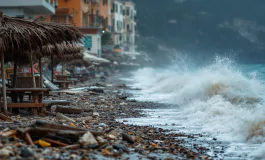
x: 222, y: 99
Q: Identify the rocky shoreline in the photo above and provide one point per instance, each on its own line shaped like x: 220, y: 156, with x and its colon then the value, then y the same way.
x: 94, y: 133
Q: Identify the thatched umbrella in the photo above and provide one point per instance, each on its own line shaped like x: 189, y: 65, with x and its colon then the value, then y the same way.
x: 28, y: 35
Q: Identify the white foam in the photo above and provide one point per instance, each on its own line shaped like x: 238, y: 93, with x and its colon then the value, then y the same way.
x: 218, y: 98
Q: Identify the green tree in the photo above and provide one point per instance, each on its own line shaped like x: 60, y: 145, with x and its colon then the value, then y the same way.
x: 106, y: 38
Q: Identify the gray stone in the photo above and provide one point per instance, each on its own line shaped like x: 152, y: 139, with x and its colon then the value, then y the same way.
x: 26, y: 152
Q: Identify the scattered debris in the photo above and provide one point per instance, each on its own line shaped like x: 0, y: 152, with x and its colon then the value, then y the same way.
x: 69, y: 110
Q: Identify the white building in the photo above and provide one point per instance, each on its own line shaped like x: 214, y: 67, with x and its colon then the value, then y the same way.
x: 129, y: 25
x: 92, y: 40
x: 117, y: 22
x: 27, y: 9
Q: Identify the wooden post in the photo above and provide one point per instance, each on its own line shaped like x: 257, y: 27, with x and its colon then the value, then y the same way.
x: 63, y: 68
x: 40, y: 66
x: 32, y: 72
x: 52, y: 64
x: 3, y: 81
x: 3, y: 74
x: 15, y: 73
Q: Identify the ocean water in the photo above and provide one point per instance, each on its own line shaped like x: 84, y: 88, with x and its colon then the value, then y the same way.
x: 223, y: 99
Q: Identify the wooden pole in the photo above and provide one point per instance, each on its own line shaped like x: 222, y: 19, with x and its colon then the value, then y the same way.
x: 52, y: 64
x: 3, y: 74
x: 15, y: 73
x: 63, y: 68
x: 32, y: 72
x: 40, y: 66
x: 3, y: 81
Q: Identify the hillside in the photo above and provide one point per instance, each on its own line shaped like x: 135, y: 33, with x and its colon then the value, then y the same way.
x: 203, y: 28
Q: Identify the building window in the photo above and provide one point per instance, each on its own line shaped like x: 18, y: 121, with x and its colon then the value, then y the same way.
x: 121, y: 9
x: 113, y: 8
x: 117, y: 8
x: 113, y: 24
x: 124, y: 25
x: 127, y: 11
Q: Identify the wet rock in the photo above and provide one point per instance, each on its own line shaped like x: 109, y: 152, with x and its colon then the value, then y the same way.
x: 111, y: 137
x: 127, y: 138
x: 101, y: 140
x: 93, y: 146
x: 214, y: 139
x: 6, y: 152
x: 121, y: 147
x: 56, y: 156
x: 86, y: 118
x: 74, y: 157
x: 26, y: 152
x: 87, y: 139
x: 109, y: 148
x: 102, y: 124
x: 95, y: 114
x: 114, y: 133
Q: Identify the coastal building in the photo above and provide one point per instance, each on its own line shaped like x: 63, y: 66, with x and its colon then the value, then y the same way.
x: 27, y: 9
x: 117, y: 22
x: 92, y: 40
x: 85, y: 15
x: 80, y: 13
x: 129, y: 25
x: 105, y: 13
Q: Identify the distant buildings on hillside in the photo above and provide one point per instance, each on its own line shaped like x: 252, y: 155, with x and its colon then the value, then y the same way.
x: 93, y: 17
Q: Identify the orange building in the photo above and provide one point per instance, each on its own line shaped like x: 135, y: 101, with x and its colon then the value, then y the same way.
x: 80, y: 13
x: 105, y: 13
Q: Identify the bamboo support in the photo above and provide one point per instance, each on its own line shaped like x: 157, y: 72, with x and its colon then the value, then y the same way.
x: 41, y: 78
x: 52, y: 64
x: 32, y: 72
x: 3, y: 81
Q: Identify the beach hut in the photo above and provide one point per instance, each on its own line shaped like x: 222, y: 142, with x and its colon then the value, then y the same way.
x: 24, y: 36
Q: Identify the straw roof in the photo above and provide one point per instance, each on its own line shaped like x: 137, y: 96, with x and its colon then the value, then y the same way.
x: 64, y: 52
x: 27, y: 35
x: 60, y: 49
x: 67, y: 58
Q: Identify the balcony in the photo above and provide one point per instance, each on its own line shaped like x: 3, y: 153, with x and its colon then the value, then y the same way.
x: 31, y: 7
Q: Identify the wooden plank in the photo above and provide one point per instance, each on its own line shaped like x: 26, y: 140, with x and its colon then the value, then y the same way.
x: 26, y: 105
x: 68, y: 110
x: 27, y: 89
x: 60, y: 81
x: 57, y: 102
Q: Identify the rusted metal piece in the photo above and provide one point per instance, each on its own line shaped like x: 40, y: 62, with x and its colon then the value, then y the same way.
x: 28, y: 138
x: 57, y: 143
x: 5, y: 118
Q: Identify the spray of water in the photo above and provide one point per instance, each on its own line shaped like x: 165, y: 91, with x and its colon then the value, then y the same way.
x: 219, y: 97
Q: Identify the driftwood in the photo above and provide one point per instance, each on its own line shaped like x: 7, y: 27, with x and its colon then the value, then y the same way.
x: 61, y: 116
x: 69, y: 110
